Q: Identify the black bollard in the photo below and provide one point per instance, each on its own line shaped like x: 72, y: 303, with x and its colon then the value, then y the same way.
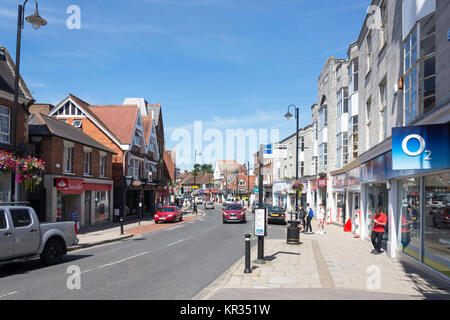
x: 247, y: 254
x: 121, y: 225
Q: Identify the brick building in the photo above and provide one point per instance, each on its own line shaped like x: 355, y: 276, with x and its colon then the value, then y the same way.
x: 78, y: 172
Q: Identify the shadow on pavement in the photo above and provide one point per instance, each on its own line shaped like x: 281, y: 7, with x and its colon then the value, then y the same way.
x: 23, y: 267
x: 273, y: 256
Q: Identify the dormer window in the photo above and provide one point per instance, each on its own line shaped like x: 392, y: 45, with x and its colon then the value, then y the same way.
x: 69, y: 109
x: 137, y: 138
x: 77, y: 123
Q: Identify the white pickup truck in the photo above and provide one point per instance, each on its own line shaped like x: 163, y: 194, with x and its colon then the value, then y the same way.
x: 23, y: 237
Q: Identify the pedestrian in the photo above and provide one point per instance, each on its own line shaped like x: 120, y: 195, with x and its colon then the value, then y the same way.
x: 310, y: 215
x: 302, y: 216
x: 74, y: 216
x: 320, y: 218
x: 380, y: 221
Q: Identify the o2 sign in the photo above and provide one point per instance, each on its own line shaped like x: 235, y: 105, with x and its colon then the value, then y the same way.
x: 421, y: 147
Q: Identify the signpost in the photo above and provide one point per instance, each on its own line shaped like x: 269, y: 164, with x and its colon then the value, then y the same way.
x: 260, y: 222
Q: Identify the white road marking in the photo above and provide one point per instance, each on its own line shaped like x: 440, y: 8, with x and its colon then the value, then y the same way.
x: 8, y: 294
x: 206, y: 230
x: 116, y: 262
x: 173, y: 243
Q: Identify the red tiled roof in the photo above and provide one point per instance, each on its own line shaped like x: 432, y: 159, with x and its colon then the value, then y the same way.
x: 119, y: 119
x: 169, y: 165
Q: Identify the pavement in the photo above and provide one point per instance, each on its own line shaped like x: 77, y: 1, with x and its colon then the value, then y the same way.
x: 330, y: 266
x: 98, y: 235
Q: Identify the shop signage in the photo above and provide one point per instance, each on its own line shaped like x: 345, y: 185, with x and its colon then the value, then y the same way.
x: 313, y: 184
x: 339, y: 181
x: 322, y: 183
x: 421, y: 147
x: 69, y: 186
x: 275, y: 151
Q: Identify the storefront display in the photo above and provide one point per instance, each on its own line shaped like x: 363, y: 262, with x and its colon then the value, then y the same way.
x: 377, y: 199
x: 101, y: 206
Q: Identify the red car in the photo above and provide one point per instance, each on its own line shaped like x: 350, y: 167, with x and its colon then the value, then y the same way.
x: 234, y: 212
x: 169, y: 213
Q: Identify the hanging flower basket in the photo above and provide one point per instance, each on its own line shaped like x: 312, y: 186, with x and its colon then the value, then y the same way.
x: 29, y: 170
x: 297, y: 185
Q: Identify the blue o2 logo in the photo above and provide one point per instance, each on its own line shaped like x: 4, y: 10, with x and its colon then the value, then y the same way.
x: 420, y: 150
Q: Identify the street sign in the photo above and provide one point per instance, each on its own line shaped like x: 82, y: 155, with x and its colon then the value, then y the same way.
x: 275, y: 151
x: 260, y: 222
x: 194, y: 187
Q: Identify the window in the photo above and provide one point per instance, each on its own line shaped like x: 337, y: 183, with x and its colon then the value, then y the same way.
x: 353, y: 75
x: 68, y: 156
x: 103, y: 166
x: 87, y: 163
x: 420, y: 70
x: 342, y: 101
x: 383, y: 30
x: 314, y: 165
x: 383, y: 110
x: 137, y: 138
x: 322, y: 157
x: 4, y: 124
x: 315, y: 131
x: 133, y: 168
x: 302, y: 168
x: 369, y: 52
x: 323, y: 117
x: 368, y: 106
x: 77, y: 123
x: 20, y: 217
x: 3, y: 224
x: 341, y: 149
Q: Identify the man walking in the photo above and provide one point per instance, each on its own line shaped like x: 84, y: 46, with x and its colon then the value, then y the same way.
x: 310, y: 215
x: 380, y: 221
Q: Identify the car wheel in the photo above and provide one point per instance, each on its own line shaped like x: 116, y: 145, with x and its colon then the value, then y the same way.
x: 53, y: 252
x: 156, y: 222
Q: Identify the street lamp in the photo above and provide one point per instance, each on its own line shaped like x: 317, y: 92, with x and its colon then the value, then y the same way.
x: 288, y: 116
x: 36, y: 21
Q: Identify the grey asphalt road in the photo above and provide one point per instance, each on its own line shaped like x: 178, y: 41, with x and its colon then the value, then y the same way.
x: 172, y: 263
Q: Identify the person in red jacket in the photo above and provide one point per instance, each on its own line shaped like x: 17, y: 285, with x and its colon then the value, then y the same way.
x: 379, y: 224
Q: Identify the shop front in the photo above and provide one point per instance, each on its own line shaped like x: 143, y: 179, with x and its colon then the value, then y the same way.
x: 91, y: 198
x: 338, y: 212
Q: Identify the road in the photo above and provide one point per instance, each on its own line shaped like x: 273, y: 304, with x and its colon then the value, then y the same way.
x: 167, y: 264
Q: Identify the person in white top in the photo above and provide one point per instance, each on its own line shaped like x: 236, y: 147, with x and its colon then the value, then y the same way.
x: 321, y: 217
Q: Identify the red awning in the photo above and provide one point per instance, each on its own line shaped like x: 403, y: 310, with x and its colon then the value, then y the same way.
x: 96, y: 187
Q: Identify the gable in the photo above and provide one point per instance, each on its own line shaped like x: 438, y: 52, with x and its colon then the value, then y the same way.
x: 67, y: 109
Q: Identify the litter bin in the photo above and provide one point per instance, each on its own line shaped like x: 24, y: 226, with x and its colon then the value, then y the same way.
x: 293, y: 232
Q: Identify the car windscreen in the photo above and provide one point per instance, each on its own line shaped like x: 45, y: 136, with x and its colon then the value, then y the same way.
x: 276, y: 209
x: 234, y: 207
x: 167, y: 210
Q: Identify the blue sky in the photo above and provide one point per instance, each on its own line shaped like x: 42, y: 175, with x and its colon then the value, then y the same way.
x: 218, y: 61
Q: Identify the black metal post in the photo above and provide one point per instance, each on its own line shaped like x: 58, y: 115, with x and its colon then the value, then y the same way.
x: 296, y: 164
x: 260, y: 206
x: 247, y: 254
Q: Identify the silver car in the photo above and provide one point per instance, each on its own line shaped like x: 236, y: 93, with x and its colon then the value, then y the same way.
x: 209, y: 205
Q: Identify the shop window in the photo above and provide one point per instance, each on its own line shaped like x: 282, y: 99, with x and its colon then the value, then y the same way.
x: 437, y: 222
x: 377, y: 198
x: 101, y: 206
x: 409, y: 208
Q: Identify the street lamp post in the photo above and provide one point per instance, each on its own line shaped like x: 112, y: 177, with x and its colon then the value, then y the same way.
x: 288, y: 115
x: 36, y: 21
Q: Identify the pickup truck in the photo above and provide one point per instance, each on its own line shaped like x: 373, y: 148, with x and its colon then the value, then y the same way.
x: 23, y: 237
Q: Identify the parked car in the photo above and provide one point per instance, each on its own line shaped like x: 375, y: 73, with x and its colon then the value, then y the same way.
x: 256, y: 206
x: 234, y: 213
x: 169, y: 214
x: 23, y: 237
x: 199, y: 200
x: 276, y: 215
x: 441, y: 218
x: 209, y: 205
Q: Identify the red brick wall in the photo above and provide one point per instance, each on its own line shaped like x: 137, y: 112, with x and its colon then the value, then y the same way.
x: 113, y: 162
x: 22, y: 127
x: 52, y: 152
